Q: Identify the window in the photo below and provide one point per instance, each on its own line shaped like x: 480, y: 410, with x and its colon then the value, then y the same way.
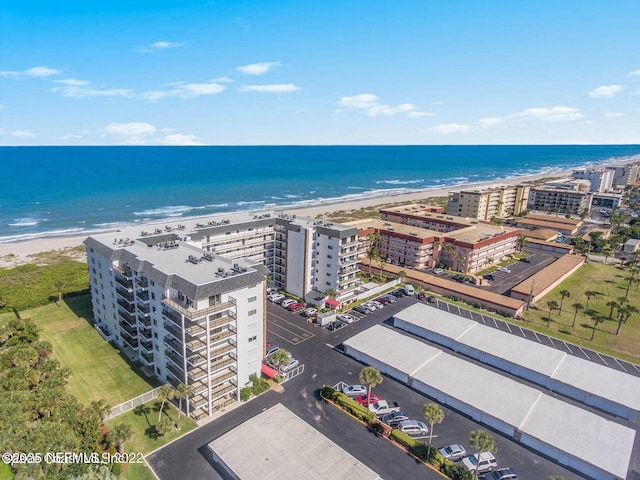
x: 252, y: 299
x: 253, y: 339
x: 252, y: 312
x: 153, y: 296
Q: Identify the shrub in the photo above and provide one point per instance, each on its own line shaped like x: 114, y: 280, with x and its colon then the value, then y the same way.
x: 260, y: 385
x: 278, y: 379
x: 328, y: 392
x: 376, y: 428
x: 245, y: 393
x: 436, y: 458
x: 354, y: 408
x: 456, y: 471
x: 403, y: 439
x: 421, y: 450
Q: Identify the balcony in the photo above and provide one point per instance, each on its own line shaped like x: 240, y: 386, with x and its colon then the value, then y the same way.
x: 176, y: 372
x: 147, y: 345
x: 126, y: 294
x: 196, y: 361
x: 127, y: 306
x: 222, y: 390
x: 129, y: 329
x: 223, y: 363
x: 126, y: 316
x: 175, y: 332
x: 124, y: 271
x: 192, y: 313
x: 144, y: 308
x: 147, y: 358
x: 142, y: 282
x: 145, y: 320
x: 217, y: 380
x: 132, y: 342
x: 124, y: 282
x: 177, y: 359
x: 146, y: 333
x: 173, y: 343
x: 142, y: 295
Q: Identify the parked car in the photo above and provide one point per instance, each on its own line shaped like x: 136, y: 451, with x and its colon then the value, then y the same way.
x: 413, y: 428
x: 271, y: 350
x: 409, y: 290
x: 293, y: 363
x: 271, y: 290
x: 453, y: 452
x: 438, y: 271
x: 458, y: 278
x: 362, y: 309
x: 390, y: 297
x: 394, y: 418
x: 294, y: 307
x: 501, y: 474
x: 363, y: 398
x: 335, y: 325
x: 376, y: 304
x: 489, y: 276
x: 354, y: 390
x: 287, y: 302
x: 344, y: 318
x: 382, y: 407
x: 382, y: 300
x: 309, y: 312
x: 431, y: 299
x: 399, y: 293
x: 504, y: 269
x: 526, y: 260
x: 482, y: 462
x: 274, y: 297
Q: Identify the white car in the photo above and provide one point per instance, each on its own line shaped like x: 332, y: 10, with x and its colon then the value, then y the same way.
x: 504, y: 269
x: 309, y: 312
x: 482, y: 462
x: 293, y: 363
x: 344, y: 318
x: 274, y: 297
x: 271, y: 290
x: 354, y: 390
x: 438, y: 271
x: 453, y: 452
x: 287, y: 302
x: 413, y: 428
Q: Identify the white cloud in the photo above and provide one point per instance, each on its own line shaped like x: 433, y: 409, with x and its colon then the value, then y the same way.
x: 273, y: 88
x: 447, y: 128
x: 553, y: 114
x: 37, y: 72
x: 157, y: 47
x: 192, y: 90
x: 613, y: 114
x: 257, y: 68
x: 635, y: 73
x: 130, y: 129
x: 181, y: 139
x: 605, y: 91
x: 22, y: 133
x: 72, y: 91
x: 73, y: 82
x: 369, y: 103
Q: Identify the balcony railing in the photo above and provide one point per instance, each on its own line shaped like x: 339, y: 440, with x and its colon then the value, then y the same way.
x: 124, y: 271
x: 126, y: 283
x: 129, y: 329
x: 133, y: 343
x: 192, y: 313
x: 147, y: 357
x: 126, y: 294
x: 130, y: 319
x: 126, y: 306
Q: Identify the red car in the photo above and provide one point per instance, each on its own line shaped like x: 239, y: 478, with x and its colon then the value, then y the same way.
x: 363, y: 399
x: 294, y: 307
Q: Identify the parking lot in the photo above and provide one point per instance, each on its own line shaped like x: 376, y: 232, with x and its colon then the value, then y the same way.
x: 320, y: 350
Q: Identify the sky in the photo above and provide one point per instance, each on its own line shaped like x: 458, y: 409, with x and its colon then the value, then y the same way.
x: 285, y: 72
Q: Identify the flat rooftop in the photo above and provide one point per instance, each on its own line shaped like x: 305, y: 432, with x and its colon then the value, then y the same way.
x: 543, y: 279
x: 278, y: 445
x: 392, y: 227
x: 480, y: 232
x: 422, y: 211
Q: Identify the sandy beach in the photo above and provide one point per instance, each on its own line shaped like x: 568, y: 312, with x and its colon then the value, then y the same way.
x: 16, y: 253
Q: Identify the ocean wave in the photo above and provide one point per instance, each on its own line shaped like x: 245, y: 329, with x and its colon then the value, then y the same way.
x: 401, y: 182
x: 242, y: 202
x: 50, y: 233
x: 292, y: 196
x: 24, y: 222
x: 217, y: 205
x: 168, y: 211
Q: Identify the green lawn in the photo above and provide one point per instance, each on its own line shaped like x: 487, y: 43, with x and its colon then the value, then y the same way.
x: 97, y: 369
x: 142, y: 420
x: 609, y: 281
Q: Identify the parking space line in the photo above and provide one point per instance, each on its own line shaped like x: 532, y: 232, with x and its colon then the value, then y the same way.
x: 635, y: 366
x: 568, y: 347
x: 619, y: 364
x: 601, y: 358
x: 522, y: 331
x: 551, y: 340
x: 536, y: 335
x: 508, y: 327
x: 584, y: 353
x: 495, y: 323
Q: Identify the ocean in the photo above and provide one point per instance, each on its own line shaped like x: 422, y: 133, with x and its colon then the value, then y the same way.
x: 51, y: 191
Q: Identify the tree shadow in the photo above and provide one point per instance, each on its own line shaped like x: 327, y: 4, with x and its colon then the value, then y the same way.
x: 566, y: 332
x: 141, y: 410
x: 152, y: 433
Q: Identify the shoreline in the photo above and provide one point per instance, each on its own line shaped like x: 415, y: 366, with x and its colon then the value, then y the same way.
x: 19, y: 252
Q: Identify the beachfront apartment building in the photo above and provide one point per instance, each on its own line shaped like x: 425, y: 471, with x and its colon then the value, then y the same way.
x: 559, y: 200
x: 601, y: 179
x: 625, y: 175
x: 415, y: 237
x: 485, y: 204
x: 187, y: 315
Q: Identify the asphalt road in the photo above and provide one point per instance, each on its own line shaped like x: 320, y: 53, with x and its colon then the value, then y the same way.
x: 320, y: 351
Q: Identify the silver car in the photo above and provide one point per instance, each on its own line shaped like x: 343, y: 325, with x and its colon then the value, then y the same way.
x: 453, y: 452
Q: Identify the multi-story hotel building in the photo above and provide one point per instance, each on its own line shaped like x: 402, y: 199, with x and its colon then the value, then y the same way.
x: 601, y: 178
x: 187, y: 300
x: 414, y: 236
x: 488, y: 203
x: 187, y: 315
x: 626, y: 175
x: 559, y: 200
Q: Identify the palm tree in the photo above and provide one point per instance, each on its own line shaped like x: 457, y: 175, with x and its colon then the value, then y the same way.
x: 120, y: 434
x: 589, y: 294
x: 58, y: 286
x: 522, y: 242
x: 370, y: 376
x: 564, y: 294
x: 577, y: 307
x: 482, y: 441
x: 166, y: 392
x: 182, y: 392
x: 101, y: 408
x: 596, y: 320
x: 433, y: 414
x: 382, y: 263
x: 608, y: 250
x: 552, y: 304
x: 612, y: 304
x: 280, y: 357
x: 623, y: 315
x: 373, y: 253
x: 402, y: 274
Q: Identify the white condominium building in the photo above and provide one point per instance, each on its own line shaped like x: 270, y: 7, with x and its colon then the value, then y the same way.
x: 488, y: 203
x: 187, y: 315
x: 601, y: 179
